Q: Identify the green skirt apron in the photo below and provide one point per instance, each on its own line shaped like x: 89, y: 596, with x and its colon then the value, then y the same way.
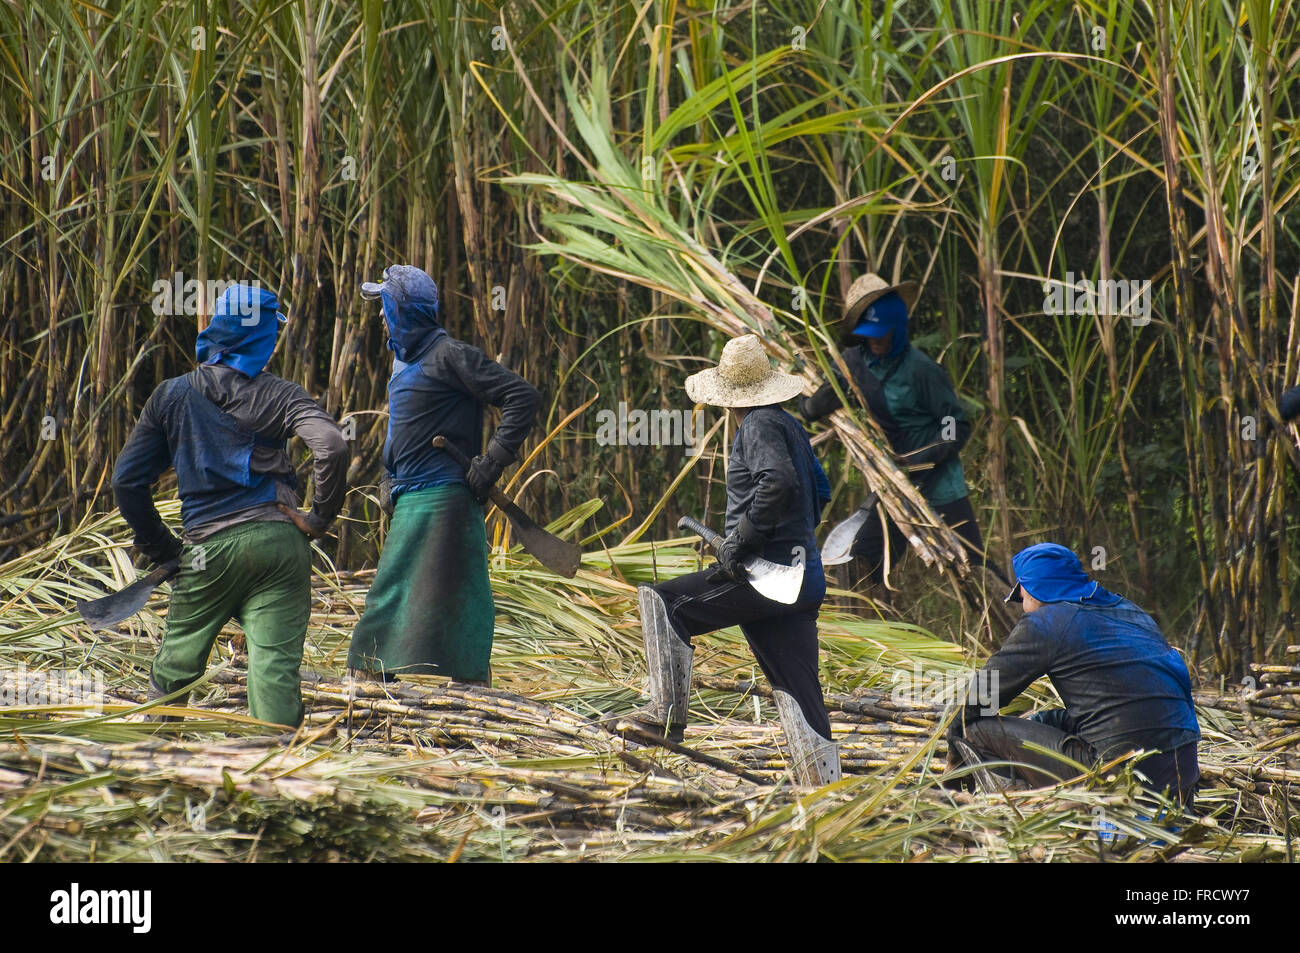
x: 429, y: 610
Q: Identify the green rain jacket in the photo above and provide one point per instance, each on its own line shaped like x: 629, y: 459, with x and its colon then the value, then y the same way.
x: 913, y: 400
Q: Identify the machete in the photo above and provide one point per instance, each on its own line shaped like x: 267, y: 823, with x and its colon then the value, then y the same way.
x: 106, y: 612
x: 552, y: 552
x: 839, y: 541
x: 772, y: 580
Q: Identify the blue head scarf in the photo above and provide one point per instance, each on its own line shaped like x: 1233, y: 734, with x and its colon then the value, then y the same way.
x: 242, y: 333
x: 410, y: 300
x: 887, y: 313
x: 1051, y: 573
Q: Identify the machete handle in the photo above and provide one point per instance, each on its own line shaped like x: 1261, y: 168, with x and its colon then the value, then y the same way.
x: 699, y: 529
x: 451, y: 450
x: 462, y: 461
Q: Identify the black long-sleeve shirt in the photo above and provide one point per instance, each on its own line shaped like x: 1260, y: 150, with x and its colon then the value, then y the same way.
x: 775, y: 481
x: 444, y: 393
x: 267, y: 407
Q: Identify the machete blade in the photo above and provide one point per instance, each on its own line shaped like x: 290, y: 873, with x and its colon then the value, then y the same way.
x: 839, y: 541
x: 108, y: 611
x: 560, y: 557
x: 552, y: 552
x: 774, y: 581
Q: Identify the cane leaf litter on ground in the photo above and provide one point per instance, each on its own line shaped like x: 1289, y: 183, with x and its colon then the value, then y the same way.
x: 426, y: 769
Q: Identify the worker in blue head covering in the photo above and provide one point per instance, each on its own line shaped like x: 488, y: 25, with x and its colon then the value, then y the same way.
x: 912, y: 398
x: 430, y: 609
x: 243, y: 553
x: 1125, y: 688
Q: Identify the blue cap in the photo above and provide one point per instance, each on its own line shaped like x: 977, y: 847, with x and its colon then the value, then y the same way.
x: 885, y: 314
x: 1050, y: 573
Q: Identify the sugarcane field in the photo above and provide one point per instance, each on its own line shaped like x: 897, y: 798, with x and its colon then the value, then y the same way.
x: 709, y: 431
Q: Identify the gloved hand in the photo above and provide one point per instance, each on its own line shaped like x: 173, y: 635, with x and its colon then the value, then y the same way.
x: 819, y: 404
x: 731, y: 559
x: 1288, y: 405
x: 386, y: 493
x: 160, y: 551
x: 740, y: 543
x: 483, y: 473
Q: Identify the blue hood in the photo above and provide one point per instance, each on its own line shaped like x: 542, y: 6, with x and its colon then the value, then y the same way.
x: 887, y: 313
x: 243, y: 329
x: 410, y: 300
x: 1051, y: 573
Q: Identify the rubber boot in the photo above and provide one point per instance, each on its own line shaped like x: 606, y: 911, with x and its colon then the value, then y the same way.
x: 668, y: 660
x: 814, y: 760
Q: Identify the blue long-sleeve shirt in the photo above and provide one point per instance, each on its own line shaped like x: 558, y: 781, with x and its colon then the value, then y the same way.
x: 225, y: 434
x: 1124, y: 686
x: 444, y: 393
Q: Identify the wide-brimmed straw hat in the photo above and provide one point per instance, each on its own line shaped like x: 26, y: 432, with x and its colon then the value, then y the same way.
x: 744, y: 377
x: 868, y: 289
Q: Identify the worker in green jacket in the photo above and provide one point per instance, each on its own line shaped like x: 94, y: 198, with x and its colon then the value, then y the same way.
x: 911, y: 397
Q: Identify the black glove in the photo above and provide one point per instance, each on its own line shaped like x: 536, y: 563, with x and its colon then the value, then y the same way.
x: 819, y: 404
x: 160, y: 551
x: 483, y: 473
x: 740, y: 542
x: 936, y: 454
x: 386, y: 493
x: 1288, y: 405
x: 730, y: 561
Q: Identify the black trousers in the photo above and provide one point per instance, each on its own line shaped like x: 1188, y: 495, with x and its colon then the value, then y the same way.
x: 1000, y: 738
x: 869, y: 544
x: 783, y: 638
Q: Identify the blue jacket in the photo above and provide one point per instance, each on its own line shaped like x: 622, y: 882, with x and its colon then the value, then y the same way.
x: 1123, y: 685
x: 224, y: 428
x: 211, y: 451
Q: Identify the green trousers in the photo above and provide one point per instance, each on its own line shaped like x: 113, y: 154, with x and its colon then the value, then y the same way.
x: 258, y: 574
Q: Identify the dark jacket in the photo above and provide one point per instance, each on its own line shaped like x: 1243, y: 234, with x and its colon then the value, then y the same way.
x: 774, y: 479
x: 1123, y: 685
x: 444, y: 392
x: 225, y: 433
x: 909, y: 396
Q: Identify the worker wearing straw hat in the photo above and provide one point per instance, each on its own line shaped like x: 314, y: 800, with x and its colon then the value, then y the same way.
x: 776, y: 490
x: 1123, y: 686
x: 912, y: 399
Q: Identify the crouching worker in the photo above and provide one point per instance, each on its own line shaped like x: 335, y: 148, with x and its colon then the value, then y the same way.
x: 244, y: 553
x: 775, y: 494
x: 430, y: 609
x: 1124, y: 687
